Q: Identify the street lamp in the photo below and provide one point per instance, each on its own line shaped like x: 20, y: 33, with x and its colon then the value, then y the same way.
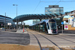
x: 16, y: 14
x: 5, y: 22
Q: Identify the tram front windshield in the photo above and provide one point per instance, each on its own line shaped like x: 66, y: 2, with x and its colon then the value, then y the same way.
x: 53, y: 25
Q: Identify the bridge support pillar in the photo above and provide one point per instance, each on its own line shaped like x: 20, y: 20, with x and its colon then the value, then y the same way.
x: 24, y: 25
x: 17, y: 25
x: 21, y: 24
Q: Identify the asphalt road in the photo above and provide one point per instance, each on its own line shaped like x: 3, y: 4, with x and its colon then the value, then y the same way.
x: 14, y: 38
x: 10, y: 30
x: 37, y: 38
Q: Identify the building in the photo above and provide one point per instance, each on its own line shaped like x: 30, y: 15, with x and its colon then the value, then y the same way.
x: 6, y: 21
x: 51, y: 10
x: 69, y: 23
x: 36, y: 21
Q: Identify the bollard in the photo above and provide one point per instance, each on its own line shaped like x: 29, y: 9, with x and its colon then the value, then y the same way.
x: 23, y: 30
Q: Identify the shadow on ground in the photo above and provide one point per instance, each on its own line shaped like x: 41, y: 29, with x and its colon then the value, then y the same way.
x: 67, y: 31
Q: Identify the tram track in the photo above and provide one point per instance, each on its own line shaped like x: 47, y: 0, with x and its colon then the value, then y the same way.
x: 46, y: 39
x: 37, y: 41
x: 65, y: 39
x: 51, y: 42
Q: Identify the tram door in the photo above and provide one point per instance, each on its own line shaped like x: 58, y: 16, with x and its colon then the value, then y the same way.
x: 48, y: 29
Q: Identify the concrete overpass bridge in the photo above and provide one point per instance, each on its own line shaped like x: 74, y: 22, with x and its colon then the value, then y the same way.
x: 40, y: 16
x: 24, y: 17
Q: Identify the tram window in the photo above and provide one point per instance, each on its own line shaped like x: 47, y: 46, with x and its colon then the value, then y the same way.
x: 53, y: 25
x: 47, y: 25
x: 43, y: 27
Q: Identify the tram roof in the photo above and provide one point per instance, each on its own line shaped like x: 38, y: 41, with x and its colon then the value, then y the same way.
x: 40, y: 16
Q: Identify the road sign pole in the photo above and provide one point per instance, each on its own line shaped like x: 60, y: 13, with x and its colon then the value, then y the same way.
x: 62, y: 28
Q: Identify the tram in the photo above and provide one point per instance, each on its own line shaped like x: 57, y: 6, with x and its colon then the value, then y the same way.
x: 48, y: 26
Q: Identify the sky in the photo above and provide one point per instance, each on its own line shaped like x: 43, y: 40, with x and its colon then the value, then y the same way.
x: 32, y: 7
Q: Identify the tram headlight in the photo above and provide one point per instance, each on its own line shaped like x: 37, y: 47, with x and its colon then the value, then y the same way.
x: 52, y: 30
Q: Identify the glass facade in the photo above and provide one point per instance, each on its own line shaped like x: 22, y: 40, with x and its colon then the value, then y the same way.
x: 53, y: 10
x: 8, y: 20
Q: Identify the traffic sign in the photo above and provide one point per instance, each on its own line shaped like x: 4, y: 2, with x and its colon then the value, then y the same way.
x: 62, y: 23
